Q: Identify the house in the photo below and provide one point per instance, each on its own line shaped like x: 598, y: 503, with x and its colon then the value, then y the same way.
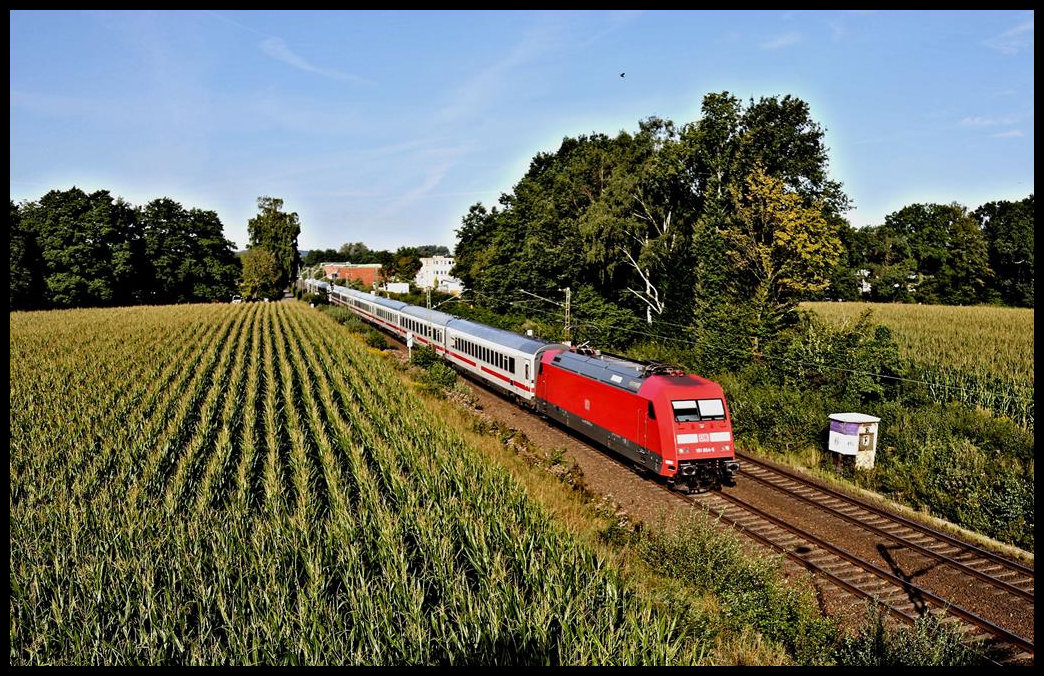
x: 435, y: 274
x: 367, y: 273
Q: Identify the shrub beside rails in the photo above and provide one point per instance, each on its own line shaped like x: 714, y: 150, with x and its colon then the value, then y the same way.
x: 671, y: 423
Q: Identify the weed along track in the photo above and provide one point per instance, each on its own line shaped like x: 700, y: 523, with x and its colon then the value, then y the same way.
x: 851, y: 547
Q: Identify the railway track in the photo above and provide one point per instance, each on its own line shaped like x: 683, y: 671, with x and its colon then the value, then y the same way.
x: 921, y: 548
x: 859, y: 575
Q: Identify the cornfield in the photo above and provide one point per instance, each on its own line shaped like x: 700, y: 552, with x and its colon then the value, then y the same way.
x: 219, y: 484
x: 981, y: 356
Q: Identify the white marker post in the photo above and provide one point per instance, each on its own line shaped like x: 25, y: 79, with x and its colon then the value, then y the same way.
x: 409, y: 344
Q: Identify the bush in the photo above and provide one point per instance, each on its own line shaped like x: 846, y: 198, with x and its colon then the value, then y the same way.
x: 928, y: 643
x: 752, y: 590
x: 853, y: 364
x: 374, y: 339
x: 439, y: 376
x: 344, y: 316
x: 424, y: 356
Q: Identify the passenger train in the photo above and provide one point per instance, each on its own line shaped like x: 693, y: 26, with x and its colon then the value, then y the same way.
x: 674, y: 424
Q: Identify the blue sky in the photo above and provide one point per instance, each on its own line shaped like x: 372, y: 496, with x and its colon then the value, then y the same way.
x: 384, y: 127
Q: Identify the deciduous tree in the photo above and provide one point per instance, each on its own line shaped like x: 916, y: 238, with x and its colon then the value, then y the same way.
x: 261, y: 273
x: 276, y: 231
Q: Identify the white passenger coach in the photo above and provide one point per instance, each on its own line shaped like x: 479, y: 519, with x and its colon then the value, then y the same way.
x: 501, y: 358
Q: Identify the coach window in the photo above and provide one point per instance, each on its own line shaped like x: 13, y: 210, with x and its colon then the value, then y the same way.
x: 527, y: 370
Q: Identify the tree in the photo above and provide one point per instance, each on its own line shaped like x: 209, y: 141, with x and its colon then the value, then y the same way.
x: 316, y: 256
x: 190, y: 259
x: 532, y: 241
x: 474, y: 239
x: 943, y: 251
x: 26, y: 265
x: 780, y: 249
x: 354, y: 252
x: 261, y: 273
x: 846, y: 277
x: 90, y: 247
x: 640, y: 225
x: 965, y: 272
x: 276, y: 231
x: 1008, y: 230
x: 407, y: 263
x: 429, y: 250
x: 720, y: 154
x: 776, y: 135
x: 650, y: 215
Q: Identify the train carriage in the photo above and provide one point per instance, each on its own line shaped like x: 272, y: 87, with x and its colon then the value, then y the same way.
x: 427, y: 326
x: 504, y: 359
x: 383, y: 312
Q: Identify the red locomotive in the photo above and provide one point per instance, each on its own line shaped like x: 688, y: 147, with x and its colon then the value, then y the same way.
x: 674, y: 424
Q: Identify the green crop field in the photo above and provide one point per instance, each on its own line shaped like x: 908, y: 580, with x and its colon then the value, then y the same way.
x: 982, y: 355
x: 216, y: 484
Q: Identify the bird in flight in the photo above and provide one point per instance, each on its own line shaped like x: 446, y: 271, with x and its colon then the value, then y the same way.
x: 622, y: 74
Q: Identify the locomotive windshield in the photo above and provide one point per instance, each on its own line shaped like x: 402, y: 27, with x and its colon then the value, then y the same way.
x: 693, y: 410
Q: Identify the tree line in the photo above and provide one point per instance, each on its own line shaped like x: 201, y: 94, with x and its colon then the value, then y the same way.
x: 76, y: 249
x: 71, y: 249
x: 942, y: 253
x: 725, y: 224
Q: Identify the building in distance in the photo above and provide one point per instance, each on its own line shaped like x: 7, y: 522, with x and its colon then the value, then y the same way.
x: 366, y: 273
x: 435, y: 274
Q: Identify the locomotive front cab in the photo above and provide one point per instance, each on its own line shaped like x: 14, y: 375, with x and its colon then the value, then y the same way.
x: 696, y: 436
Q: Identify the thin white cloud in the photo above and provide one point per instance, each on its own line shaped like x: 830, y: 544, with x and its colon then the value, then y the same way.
x: 431, y: 181
x: 278, y: 49
x: 488, y: 84
x: 1014, y: 40
x: 1012, y: 133
x: 988, y: 121
x: 785, y: 40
